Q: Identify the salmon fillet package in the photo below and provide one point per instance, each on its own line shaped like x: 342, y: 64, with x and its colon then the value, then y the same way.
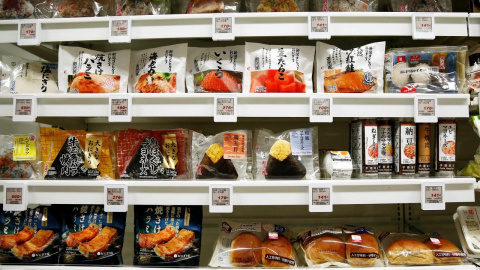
x: 205, y: 6
x: 20, y: 157
x: 357, y: 70
x: 215, y: 70
x: 168, y: 236
x: 76, y: 154
x: 92, y: 236
x: 276, y: 5
x: 278, y: 68
x: 153, y: 154
x: 158, y: 70
x: 31, y: 236
x: 83, y: 70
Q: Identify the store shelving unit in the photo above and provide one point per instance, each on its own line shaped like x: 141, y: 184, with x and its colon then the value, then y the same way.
x: 452, y: 267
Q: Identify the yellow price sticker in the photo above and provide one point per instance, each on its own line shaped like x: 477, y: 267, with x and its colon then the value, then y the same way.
x: 24, y: 148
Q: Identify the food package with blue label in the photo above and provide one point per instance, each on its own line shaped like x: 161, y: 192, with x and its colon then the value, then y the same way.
x: 168, y: 236
x: 31, y: 236
x: 20, y: 157
x: 92, y: 236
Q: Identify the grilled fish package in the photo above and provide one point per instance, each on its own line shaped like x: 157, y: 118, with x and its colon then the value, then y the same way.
x: 276, y: 5
x: 205, y: 6
x: 20, y: 157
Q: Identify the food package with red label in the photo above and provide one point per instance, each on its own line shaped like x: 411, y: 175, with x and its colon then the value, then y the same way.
x: 345, y: 5
x: 84, y: 8
x: 205, y: 6
x: 143, y: 7
x: 276, y: 5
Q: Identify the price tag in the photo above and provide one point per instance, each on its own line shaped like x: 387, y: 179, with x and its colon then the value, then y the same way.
x: 423, y: 26
x: 24, y: 108
x: 29, y: 33
x: 433, y: 196
x: 116, y: 197
x: 321, y: 108
x: 319, y: 25
x: 223, y: 27
x: 225, y: 106
x: 320, y: 197
x: 120, y: 30
x: 120, y: 108
x: 425, y: 109
x: 221, y: 198
x: 15, y: 196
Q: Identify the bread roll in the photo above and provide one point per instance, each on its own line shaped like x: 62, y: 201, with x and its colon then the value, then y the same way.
x: 325, y: 248
x: 246, y: 250
x: 409, y: 252
x: 368, y: 247
x: 443, y: 253
x: 280, y: 247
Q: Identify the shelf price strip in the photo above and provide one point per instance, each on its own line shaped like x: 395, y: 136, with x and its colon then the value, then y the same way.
x: 220, y: 198
x: 433, y: 196
x: 223, y: 27
x: 24, y: 108
x: 225, y: 108
x: 29, y: 33
x: 120, y: 30
x: 116, y: 197
x: 425, y: 109
x: 15, y: 196
x: 319, y: 25
x: 321, y: 108
x: 320, y: 197
x: 120, y: 108
x: 423, y: 26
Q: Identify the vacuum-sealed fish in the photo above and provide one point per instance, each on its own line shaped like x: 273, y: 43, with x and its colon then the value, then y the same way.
x: 143, y: 7
x: 345, y: 5
x: 205, y: 6
x: 276, y: 5
x: 20, y: 157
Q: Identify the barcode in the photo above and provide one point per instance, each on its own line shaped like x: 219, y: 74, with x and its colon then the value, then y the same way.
x: 13, y: 202
x: 220, y: 203
x: 434, y: 201
x: 119, y: 113
x: 226, y: 31
x: 23, y: 113
x: 224, y: 113
x: 320, y: 203
x: 317, y: 29
x: 114, y: 203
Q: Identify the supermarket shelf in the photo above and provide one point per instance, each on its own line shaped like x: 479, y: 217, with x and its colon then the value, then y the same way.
x: 474, y: 24
x: 47, y: 267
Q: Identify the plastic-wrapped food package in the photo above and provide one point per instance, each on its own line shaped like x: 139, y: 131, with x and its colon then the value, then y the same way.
x: 215, y: 70
x: 30, y: 237
x: 292, y: 154
x: 16, y: 9
x: 88, y: 71
x: 468, y: 217
x: 76, y: 154
x: 205, y: 6
x: 168, y: 236
x: 357, y: 70
x: 345, y: 5
x: 92, y: 236
x: 20, y: 157
x: 276, y: 5
x: 473, y: 70
x: 421, y: 5
x: 154, y: 154
x: 278, y: 68
x: 254, y: 244
x: 143, y: 7
x: 158, y: 70
x: 336, y: 165
x: 426, y: 70
x: 84, y: 8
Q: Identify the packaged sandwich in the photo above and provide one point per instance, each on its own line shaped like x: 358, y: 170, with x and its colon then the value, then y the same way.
x: 205, y: 6
x: 426, y: 70
x: 215, y: 70
x: 276, y: 5
x: 84, y: 8
x: 292, y: 154
x: 421, y: 5
x: 29, y: 237
x: 253, y: 244
x: 143, y: 7
x: 168, y: 236
x: 157, y: 70
x: 278, y: 68
x: 88, y: 71
x: 92, y: 236
x: 356, y: 70
x: 345, y: 5
x: 20, y: 157
x: 76, y: 154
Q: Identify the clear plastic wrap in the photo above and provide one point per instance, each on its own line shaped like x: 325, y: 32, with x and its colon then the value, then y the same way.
x: 336, y: 165
x: 205, y: 6
x: 276, y: 5
x: 421, y: 5
x: 345, y: 5
x: 84, y: 8
x: 17, y: 9
x: 143, y: 7
x: 20, y: 157
x: 468, y: 217
x: 473, y: 70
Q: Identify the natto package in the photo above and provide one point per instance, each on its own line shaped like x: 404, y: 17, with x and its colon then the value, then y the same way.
x: 405, y: 150
x: 345, y: 5
x: 205, y: 6
x: 20, y: 157
x: 276, y: 5
x: 364, y: 147
x: 143, y: 7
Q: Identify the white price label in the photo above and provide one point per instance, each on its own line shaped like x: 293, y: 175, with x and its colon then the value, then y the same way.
x: 321, y: 108
x: 225, y: 106
x: 319, y: 25
x: 120, y: 30
x: 423, y: 26
x: 221, y: 198
x: 24, y: 108
x: 29, y: 32
x: 433, y: 196
x: 116, y: 197
x: 223, y: 27
x: 320, y: 197
x: 425, y: 109
x: 15, y: 196
x: 120, y: 108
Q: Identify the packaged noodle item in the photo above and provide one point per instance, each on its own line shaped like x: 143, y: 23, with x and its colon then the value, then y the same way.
x: 168, y: 236
x: 276, y: 5
x: 205, y: 6
x: 445, y: 148
x: 292, y: 154
x: 385, y: 148
x: 213, y: 70
x: 226, y: 155
x: 84, y: 8
x: 20, y: 157
x: 29, y: 237
x: 92, y: 236
x: 357, y: 70
x: 423, y: 149
x: 426, y: 70
x: 143, y: 7
x: 88, y: 71
x: 336, y: 165
x: 158, y: 70
x: 421, y: 5
x: 345, y: 5
x: 76, y: 154
x: 278, y: 68
x: 405, y: 150
x: 364, y: 147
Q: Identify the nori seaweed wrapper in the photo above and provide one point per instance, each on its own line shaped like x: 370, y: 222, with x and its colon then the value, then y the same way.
x: 289, y: 168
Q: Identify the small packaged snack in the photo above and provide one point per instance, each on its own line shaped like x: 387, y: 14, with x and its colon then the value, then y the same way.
x: 20, y: 157
x: 143, y: 7
x: 205, y: 6
x: 84, y: 8
x: 336, y: 165
x: 276, y: 5
x: 345, y: 5
x: 421, y: 5
x: 168, y: 236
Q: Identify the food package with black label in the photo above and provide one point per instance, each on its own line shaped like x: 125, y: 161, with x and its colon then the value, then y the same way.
x: 364, y: 147
x: 424, y: 143
x: 143, y: 7
x: 276, y: 5
x: 385, y: 148
x: 345, y: 5
x: 445, y: 147
x: 205, y: 6
x: 20, y: 157
x: 336, y: 165
x: 421, y: 5
x: 84, y: 8
x: 405, y: 150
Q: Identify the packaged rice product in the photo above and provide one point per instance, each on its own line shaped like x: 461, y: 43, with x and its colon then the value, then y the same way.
x: 168, y: 236
x: 276, y: 5
x: 345, y: 5
x: 214, y: 70
x: 143, y: 7
x: 20, y: 157
x: 278, y: 68
x: 445, y: 147
x: 292, y: 154
x: 92, y: 236
x: 336, y: 165
x: 364, y: 147
x: 30, y: 237
x: 76, y: 154
x: 357, y: 70
x: 88, y: 71
x: 84, y: 8
x: 205, y: 6
x: 421, y: 5
x: 405, y: 149
x: 158, y: 70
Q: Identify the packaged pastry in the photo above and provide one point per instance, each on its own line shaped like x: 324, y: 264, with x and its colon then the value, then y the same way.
x: 30, y: 237
x: 92, y: 236
x: 345, y: 5
x: 423, y: 148
x: 336, y: 165
x: 356, y: 70
x: 292, y: 154
x: 215, y: 70
x: 168, y: 236
x: 405, y: 149
x: 364, y: 147
x: 426, y: 70
x: 84, y: 8
x: 205, y: 6
x: 158, y: 70
x: 20, y: 157
x: 143, y: 7
x: 226, y: 155
x: 76, y: 154
x: 323, y: 247
x: 278, y: 68
x: 362, y: 247
x: 445, y: 148
x: 276, y: 5
x: 385, y: 148
x: 421, y: 5
x: 88, y: 71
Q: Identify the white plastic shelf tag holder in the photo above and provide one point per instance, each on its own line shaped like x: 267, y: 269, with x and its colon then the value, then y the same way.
x: 319, y: 25
x: 423, y: 26
x: 220, y: 198
x: 116, y: 197
x: 120, y: 108
x: 223, y: 27
x: 225, y: 108
x: 320, y: 197
x: 321, y: 108
x: 24, y: 108
x: 29, y: 33
x: 120, y: 30
x: 15, y: 196
x: 425, y: 109
x: 433, y: 196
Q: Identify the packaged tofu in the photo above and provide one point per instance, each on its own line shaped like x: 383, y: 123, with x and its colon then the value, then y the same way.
x: 345, y: 5
x: 215, y: 70
x: 20, y: 157
x: 158, y: 70
x: 356, y: 70
x: 143, y: 7
x: 205, y: 6
x: 84, y: 8
x: 278, y: 68
x: 276, y: 5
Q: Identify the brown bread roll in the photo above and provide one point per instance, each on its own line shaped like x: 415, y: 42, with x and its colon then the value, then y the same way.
x: 246, y: 250
x: 368, y: 248
x: 274, y: 250
x: 446, y: 253
x: 409, y: 252
x: 325, y: 248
